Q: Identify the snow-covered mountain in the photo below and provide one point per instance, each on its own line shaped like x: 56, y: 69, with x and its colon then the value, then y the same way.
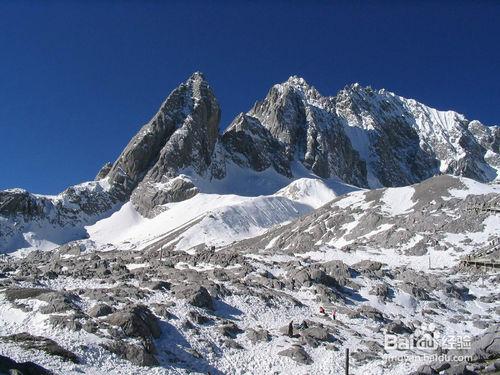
x: 359, y: 138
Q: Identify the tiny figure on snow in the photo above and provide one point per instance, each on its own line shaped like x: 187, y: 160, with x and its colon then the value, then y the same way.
x: 334, y: 315
x: 290, y: 329
x: 322, y: 310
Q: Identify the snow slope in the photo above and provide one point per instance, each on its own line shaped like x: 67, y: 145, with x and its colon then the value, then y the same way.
x: 437, y: 219
x: 215, y: 219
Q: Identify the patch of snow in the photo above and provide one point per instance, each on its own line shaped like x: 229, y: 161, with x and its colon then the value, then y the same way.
x: 398, y: 200
x: 473, y: 187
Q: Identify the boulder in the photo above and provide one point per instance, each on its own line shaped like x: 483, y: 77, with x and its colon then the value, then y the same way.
x: 398, y: 327
x: 230, y: 330
x: 198, y: 318
x: 58, y: 302
x: 16, y: 293
x: 157, y: 285
x: 317, y: 332
x: 314, y: 335
x: 258, y: 334
x: 196, y: 295
x: 371, y: 313
x: 135, y: 353
x: 9, y: 366
x: 367, y: 266
x: 70, y: 322
x: 136, y: 321
x: 230, y: 343
x: 162, y: 310
x: 381, y: 290
x: 298, y: 354
x: 415, y: 291
x: 364, y: 357
x: 100, y: 309
x: 90, y: 326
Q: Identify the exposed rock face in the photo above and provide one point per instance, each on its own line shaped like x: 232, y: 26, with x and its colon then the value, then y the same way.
x: 195, y: 295
x: 367, y: 219
x: 377, y: 138
x: 258, y: 334
x: 413, y: 142
x: 74, y: 208
x: 136, y: 321
x: 251, y: 145
x: 294, y: 113
x: 148, y: 200
x: 298, y: 354
x: 100, y: 309
x: 55, y: 301
x: 18, y: 201
x: 103, y: 173
x: 182, y: 134
x: 135, y: 353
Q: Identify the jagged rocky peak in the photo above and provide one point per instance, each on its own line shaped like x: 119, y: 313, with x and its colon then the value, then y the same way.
x: 362, y: 136
x: 283, y: 109
x: 182, y: 133
x: 297, y: 115
x: 300, y: 86
x: 405, y: 141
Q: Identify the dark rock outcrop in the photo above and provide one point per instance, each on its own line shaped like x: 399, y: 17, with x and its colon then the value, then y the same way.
x: 298, y: 354
x: 136, y: 321
x: 135, y: 353
x: 182, y: 134
x: 196, y: 295
x: 9, y: 366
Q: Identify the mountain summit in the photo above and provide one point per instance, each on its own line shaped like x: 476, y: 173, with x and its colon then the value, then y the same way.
x: 182, y: 134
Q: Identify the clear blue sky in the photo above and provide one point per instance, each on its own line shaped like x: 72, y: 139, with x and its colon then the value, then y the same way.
x: 78, y: 79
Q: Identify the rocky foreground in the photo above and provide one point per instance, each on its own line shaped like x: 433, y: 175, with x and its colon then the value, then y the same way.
x: 71, y: 310
x: 228, y: 310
